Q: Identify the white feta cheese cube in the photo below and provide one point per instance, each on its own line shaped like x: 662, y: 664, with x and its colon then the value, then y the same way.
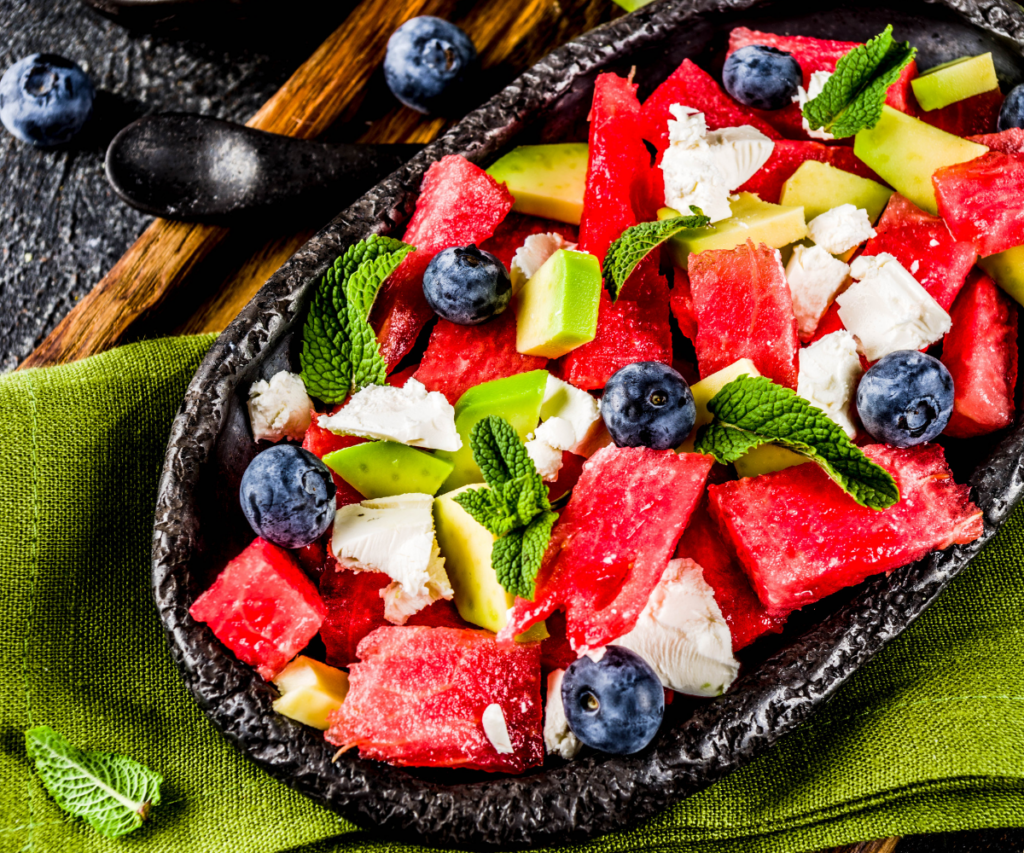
x: 530, y: 257
x: 739, y: 153
x: 409, y: 415
x: 840, y: 229
x: 814, y: 88
x: 280, y: 408
x: 886, y: 309
x: 558, y: 737
x: 815, y: 277
x: 545, y: 448
x: 691, y: 175
x: 578, y: 407
x: 496, y: 729
x: 829, y: 370
x: 682, y: 634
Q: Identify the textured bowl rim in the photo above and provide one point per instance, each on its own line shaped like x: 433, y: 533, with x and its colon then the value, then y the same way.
x: 593, y: 795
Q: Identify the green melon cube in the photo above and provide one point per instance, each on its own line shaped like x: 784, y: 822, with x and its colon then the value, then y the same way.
x: 818, y: 187
x: 1007, y: 270
x: 954, y: 81
x: 546, y: 180
x: 380, y: 469
x: 556, y: 310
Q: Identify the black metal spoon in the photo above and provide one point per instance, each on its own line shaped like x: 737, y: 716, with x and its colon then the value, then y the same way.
x: 195, y: 168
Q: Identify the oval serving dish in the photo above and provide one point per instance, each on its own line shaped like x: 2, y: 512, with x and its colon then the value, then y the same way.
x: 199, y: 525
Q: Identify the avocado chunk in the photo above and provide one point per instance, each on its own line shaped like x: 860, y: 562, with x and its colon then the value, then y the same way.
x: 546, y: 180
x: 381, y: 469
x: 517, y: 399
x: 906, y: 151
x: 556, y: 310
x: 310, y: 690
x: 704, y: 390
x: 767, y: 458
x: 954, y: 81
x: 1007, y: 270
x: 752, y: 219
x: 819, y: 187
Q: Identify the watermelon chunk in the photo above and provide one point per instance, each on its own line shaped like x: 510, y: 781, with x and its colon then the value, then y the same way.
x: 262, y: 607
x: 786, y: 158
x: 555, y: 651
x: 613, y: 541
x: 746, y: 615
x: 800, y: 537
x: 1009, y: 141
x: 923, y: 245
x: 320, y: 442
x: 744, y: 310
x: 514, y: 230
x: 693, y: 87
x: 828, y: 324
x: 980, y: 351
x: 459, y: 357
x: 973, y: 115
x: 354, y: 608
x: 458, y: 204
x: 980, y: 201
x: 418, y: 695
x: 616, y: 154
x: 681, y: 303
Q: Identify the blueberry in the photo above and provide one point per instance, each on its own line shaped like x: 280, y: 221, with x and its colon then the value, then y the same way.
x: 1012, y: 112
x: 466, y: 285
x: 428, y: 64
x: 45, y: 99
x: 906, y: 398
x: 761, y: 76
x: 648, y: 404
x: 614, y: 704
x: 287, y: 494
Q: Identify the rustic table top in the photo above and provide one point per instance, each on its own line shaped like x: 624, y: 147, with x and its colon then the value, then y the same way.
x: 62, y: 228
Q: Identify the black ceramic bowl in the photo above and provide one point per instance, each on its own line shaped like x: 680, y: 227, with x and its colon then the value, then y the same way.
x: 199, y: 525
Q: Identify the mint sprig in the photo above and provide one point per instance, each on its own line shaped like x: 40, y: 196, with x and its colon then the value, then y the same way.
x: 339, y: 347
x: 853, y: 97
x: 753, y: 410
x: 638, y: 242
x: 515, y: 507
x: 113, y: 793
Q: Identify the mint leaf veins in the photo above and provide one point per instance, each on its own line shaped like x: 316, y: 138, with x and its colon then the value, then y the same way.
x: 113, y: 793
x: 753, y: 410
x: 638, y: 242
x: 514, y: 507
x: 339, y: 348
x: 854, y: 95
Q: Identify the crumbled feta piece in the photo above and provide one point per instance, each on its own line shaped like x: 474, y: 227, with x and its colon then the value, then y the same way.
x: 682, y: 634
x: 545, y: 448
x: 933, y: 243
x: 496, y: 730
x: 739, y: 153
x: 841, y: 228
x: 829, y: 370
x: 530, y: 257
x: 814, y: 88
x: 886, y: 309
x: 280, y: 408
x: 396, y: 536
x: 558, y: 737
x: 815, y: 277
x: 692, y: 177
x: 409, y: 415
x: 579, y: 408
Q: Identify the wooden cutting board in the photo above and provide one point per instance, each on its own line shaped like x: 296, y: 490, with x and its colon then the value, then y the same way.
x: 182, y: 278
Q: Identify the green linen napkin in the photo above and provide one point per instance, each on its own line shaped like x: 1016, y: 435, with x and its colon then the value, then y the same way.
x: 928, y: 737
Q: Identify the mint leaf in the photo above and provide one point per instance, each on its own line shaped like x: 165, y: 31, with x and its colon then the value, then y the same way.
x: 339, y: 348
x: 638, y: 242
x: 113, y: 793
x: 517, y: 557
x: 753, y: 410
x: 852, y: 98
x: 500, y: 453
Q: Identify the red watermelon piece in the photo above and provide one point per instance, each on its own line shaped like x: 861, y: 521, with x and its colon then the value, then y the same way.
x: 786, y: 159
x: 616, y: 155
x: 969, y: 116
x: 980, y: 351
x: 744, y: 310
x: 459, y: 357
x: 555, y: 651
x: 459, y: 203
x: 923, y: 245
x: 828, y: 324
x: 355, y: 608
x: 514, y: 230
x: 612, y: 542
x: 418, y: 695
x: 1007, y: 141
x: 980, y: 201
x: 800, y: 537
x: 746, y: 615
x: 262, y: 607
x: 693, y: 87
x: 681, y: 303
x: 320, y: 442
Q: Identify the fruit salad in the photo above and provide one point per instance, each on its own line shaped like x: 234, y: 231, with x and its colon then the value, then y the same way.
x: 611, y: 412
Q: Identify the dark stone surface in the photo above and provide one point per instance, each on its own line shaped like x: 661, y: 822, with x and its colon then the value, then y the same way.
x: 197, y: 527
x: 61, y: 226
